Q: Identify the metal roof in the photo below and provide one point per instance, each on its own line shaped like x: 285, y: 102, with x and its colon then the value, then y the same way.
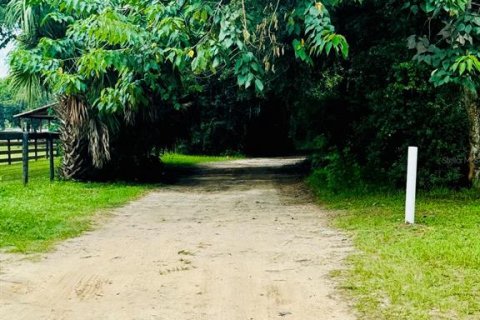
x: 39, y: 113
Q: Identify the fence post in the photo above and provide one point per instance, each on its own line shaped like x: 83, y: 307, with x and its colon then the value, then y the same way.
x: 36, y: 148
x: 9, y: 150
x: 411, y: 185
x: 25, y: 157
x: 52, y: 162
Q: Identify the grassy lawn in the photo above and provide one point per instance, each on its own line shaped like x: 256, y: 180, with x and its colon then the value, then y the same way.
x: 37, y: 169
x: 35, y: 217
x: 427, y: 271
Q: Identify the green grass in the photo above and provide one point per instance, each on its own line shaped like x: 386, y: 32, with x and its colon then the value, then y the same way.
x: 427, y: 271
x: 174, y: 159
x: 37, y: 169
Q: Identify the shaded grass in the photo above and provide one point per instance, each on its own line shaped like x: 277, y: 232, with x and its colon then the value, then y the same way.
x: 427, y: 271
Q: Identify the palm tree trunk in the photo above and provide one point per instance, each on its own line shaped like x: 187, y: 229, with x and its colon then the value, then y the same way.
x: 74, y: 119
x: 473, y: 111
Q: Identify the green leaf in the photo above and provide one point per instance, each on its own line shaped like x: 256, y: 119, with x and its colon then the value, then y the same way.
x: 462, y: 67
x: 259, y: 85
x: 430, y: 6
x: 328, y: 47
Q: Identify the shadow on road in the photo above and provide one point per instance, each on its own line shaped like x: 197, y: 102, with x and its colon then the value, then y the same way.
x: 245, y: 172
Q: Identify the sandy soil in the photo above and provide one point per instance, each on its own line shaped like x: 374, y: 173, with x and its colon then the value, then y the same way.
x: 239, y: 240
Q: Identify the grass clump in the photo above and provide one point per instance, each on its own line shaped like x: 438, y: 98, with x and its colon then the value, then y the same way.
x: 427, y: 271
x: 179, y: 160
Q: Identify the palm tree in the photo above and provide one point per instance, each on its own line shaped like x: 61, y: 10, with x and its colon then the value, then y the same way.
x: 84, y: 139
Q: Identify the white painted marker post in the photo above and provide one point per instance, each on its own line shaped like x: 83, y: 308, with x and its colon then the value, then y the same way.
x: 411, y: 185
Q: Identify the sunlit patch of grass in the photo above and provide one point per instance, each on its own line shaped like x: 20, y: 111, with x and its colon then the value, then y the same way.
x: 37, y: 169
x: 175, y: 159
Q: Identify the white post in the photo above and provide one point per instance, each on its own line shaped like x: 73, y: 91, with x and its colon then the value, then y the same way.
x: 411, y: 185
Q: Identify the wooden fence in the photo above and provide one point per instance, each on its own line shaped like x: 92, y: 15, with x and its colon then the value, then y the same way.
x: 11, y: 147
x: 31, y: 146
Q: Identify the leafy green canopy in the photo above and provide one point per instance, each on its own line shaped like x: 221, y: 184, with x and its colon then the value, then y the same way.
x: 362, y: 114
x: 449, y: 43
x: 121, y: 54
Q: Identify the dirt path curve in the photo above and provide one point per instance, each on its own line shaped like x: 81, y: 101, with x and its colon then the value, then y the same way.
x: 239, y: 240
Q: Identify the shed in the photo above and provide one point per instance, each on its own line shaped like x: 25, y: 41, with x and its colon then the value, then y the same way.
x: 33, y: 120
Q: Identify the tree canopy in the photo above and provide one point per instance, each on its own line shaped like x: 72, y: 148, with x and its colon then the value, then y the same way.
x: 119, y: 56
x: 119, y: 53
x: 134, y: 76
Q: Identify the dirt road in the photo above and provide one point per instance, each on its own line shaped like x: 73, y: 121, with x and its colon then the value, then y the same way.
x: 239, y: 240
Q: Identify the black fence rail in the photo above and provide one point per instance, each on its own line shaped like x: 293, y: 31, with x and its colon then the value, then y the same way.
x: 25, y: 146
x: 11, y: 150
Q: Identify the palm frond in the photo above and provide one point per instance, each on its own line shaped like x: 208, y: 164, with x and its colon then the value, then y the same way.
x: 20, y: 16
x: 27, y: 87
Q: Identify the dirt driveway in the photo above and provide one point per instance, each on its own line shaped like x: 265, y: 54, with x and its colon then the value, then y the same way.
x: 238, y: 240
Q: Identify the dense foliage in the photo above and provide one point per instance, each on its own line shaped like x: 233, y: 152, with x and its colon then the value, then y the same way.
x: 130, y: 66
x: 135, y: 77
x: 449, y: 46
x: 364, y: 113
x: 10, y: 105
x: 360, y: 114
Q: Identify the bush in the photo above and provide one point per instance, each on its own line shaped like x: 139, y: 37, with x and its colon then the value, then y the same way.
x: 337, y: 171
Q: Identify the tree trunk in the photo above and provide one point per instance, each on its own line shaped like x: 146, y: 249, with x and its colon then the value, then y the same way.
x: 74, y: 119
x: 473, y: 111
